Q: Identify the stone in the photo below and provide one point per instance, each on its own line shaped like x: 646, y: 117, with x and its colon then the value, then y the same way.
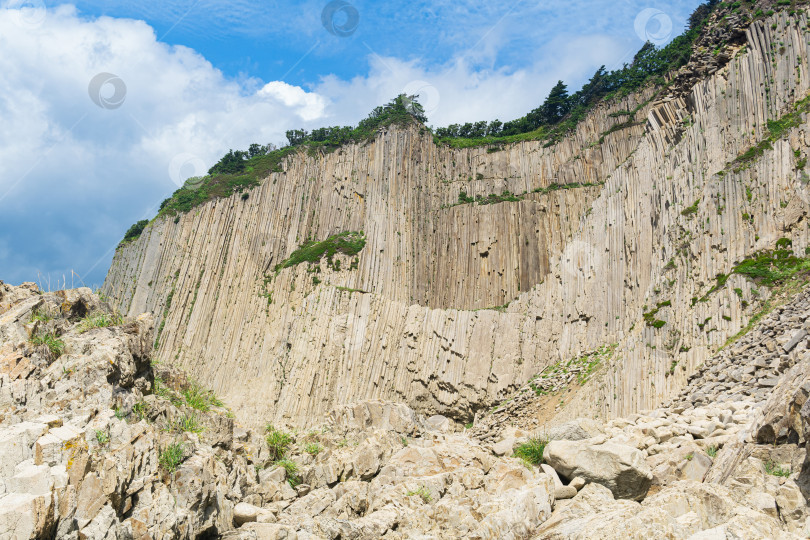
x: 50, y: 447
x: 504, y: 447
x: 440, y: 423
x: 564, y: 492
x: 575, y: 430
x: 15, y: 444
x: 549, y: 470
x: 795, y: 340
x: 765, y: 503
x: 578, y: 483
x: 245, y: 513
x: 620, y: 468
x: 24, y: 515
x: 697, y: 467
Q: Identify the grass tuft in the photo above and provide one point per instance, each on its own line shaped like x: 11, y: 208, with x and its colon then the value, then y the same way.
x: 278, y: 442
x: 200, y: 398
x: 188, y: 423
x: 99, y: 320
x: 171, y: 457
x: 776, y: 469
x: 532, y: 450
x: 423, y: 492
x: 313, y: 449
x: 291, y: 469
x: 102, y: 437
x: 54, y: 344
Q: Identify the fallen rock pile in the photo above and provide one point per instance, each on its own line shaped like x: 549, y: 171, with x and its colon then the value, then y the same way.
x: 97, y: 442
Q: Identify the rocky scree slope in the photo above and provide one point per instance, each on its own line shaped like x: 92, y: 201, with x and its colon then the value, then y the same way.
x: 452, y: 307
x: 97, y: 443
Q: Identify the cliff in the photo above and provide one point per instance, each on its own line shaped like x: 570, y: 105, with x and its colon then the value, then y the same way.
x: 450, y: 307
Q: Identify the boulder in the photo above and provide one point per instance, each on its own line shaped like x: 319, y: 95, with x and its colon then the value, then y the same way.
x: 504, y: 447
x: 620, y: 468
x: 697, y: 467
x: 440, y: 423
x: 245, y: 513
x: 575, y: 430
x: 564, y: 492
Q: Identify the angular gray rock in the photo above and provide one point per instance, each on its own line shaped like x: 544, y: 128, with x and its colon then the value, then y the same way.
x: 620, y: 468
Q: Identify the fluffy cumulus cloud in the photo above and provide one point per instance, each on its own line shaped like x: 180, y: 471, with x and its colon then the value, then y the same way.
x: 100, y: 123
x: 102, y: 119
x: 461, y: 92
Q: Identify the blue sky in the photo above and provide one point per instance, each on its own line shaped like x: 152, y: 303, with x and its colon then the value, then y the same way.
x: 178, y: 83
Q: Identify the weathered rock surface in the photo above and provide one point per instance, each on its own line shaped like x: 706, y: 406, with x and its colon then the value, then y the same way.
x: 578, y: 268
x: 100, y: 440
x: 620, y: 468
x: 83, y: 436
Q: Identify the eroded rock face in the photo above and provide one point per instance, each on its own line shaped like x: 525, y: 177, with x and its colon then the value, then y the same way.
x: 578, y: 268
x: 84, y: 434
x: 79, y: 458
x: 87, y: 426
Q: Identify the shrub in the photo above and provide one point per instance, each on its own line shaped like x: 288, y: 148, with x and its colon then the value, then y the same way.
x: 313, y: 449
x: 278, y: 442
x: 688, y: 211
x: 463, y: 198
x: 171, y: 457
x: 291, y: 469
x: 54, y: 344
x: 135, y: 231
x: 712, y: 451
x: 532, y: 450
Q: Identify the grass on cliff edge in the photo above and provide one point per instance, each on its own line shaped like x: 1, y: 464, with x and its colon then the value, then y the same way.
x: 779, y: 270
x: 197, y: 191
x: 347, y: 243
x: 776, y: 130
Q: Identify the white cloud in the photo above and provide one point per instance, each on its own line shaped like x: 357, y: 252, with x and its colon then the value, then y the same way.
x: 307, y: 105
x: 74, y: 175
x: 459, y: 92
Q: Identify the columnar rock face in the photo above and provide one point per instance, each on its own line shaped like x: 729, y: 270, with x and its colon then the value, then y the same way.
x: 578, y: 268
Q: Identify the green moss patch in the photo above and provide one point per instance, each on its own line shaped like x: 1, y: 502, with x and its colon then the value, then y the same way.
x: 346, y: 243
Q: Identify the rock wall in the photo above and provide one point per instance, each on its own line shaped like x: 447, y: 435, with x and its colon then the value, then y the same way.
x: 577, y: 267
